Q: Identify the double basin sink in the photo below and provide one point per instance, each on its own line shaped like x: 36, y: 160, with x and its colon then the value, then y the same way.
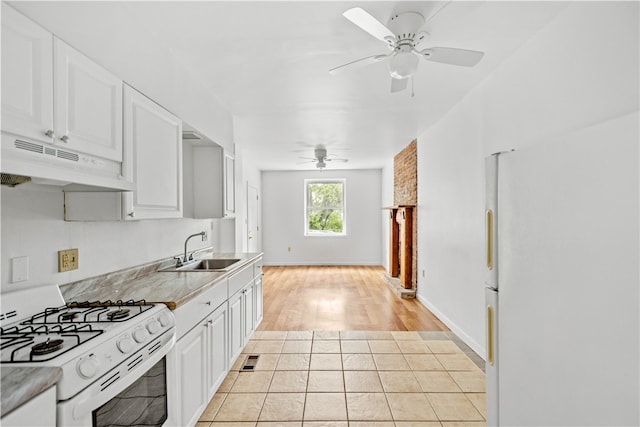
x: 206, y: 265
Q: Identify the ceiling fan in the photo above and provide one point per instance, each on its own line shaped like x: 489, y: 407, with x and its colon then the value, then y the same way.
x: 320, y: 158
x: 404, y: 39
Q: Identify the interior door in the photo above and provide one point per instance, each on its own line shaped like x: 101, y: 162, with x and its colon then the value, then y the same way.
x: 252, y: 219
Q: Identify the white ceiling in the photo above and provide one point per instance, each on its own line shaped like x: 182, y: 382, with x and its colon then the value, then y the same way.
x: 268, y: 63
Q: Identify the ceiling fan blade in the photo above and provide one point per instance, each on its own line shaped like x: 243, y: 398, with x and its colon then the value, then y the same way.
x: 398, y: 85
x: 307, y: 161
x: 336, y: 160
x: 371, y: 25
x: 453, y: 56
x: 358, y: 63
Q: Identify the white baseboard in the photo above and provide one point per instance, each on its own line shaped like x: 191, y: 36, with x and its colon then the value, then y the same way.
x: 479, y: 349
x: 303, y: 263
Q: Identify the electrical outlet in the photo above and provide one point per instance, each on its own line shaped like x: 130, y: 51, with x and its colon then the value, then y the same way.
x: 67, y: 260
x: 289, y: 248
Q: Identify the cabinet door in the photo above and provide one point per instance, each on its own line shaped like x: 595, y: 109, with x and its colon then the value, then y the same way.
x: 229, y: 186
x: 257, y: 297
x: 236, y: 332
x: 192, y: 368
x: 88, y: 104
x: 218, y: 354
x: 153, y: 158
x: 249, y: 324
x: 27, y: 77
x: 208, y: 178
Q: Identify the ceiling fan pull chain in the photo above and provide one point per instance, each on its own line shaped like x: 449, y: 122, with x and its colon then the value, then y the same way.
x: 412, y: 94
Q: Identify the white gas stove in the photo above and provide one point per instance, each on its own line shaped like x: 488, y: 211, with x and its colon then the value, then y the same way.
x: 103, y: 347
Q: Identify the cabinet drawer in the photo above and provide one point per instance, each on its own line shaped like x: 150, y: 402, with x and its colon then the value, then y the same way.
x: 188, y: 315
x: 240, y: 279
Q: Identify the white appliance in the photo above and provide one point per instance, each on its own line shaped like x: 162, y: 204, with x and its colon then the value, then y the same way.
x: 112, y: 354
x: 562, y: 293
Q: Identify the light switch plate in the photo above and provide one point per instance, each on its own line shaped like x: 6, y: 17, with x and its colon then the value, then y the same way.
x: 67, y: 260
x: 19, y: 269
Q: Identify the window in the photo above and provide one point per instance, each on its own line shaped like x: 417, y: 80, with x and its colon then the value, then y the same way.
x: 324, y: 207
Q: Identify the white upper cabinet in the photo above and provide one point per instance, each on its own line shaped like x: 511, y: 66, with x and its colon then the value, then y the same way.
x: 210, y: 180
x: 88, y: 104
x: 153, y: 158
x: 27, y: 77
x: 61, y: 112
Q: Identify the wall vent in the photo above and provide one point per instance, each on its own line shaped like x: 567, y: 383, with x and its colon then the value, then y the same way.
x: 68, y: 156
x: 41, y: 149
x: 29, y: 146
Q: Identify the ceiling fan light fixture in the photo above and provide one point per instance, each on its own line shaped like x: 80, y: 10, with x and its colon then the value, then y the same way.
x: 403, y: 64
x: 321, y: 164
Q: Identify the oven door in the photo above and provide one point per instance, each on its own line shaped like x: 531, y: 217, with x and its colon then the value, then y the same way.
x: 133, y: 393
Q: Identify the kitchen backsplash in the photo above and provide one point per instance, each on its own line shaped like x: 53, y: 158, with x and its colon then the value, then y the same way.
x: 33, y: 226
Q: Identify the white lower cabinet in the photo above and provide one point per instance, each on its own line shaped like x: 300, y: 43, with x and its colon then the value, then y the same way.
x: 212, y: 330
x: 201, y: 358
x: 249, y: 312
x: 236, y: 330
x: 218, y: 360
x: 39, y: 411
x: 210, y: 341
x: 257, y: 298
x: 191, y: 356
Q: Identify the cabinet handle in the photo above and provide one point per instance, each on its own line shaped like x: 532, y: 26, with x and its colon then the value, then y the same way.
x: 131, y: 214
x: 210, y: 322
x: 208, y: 302
x: 50, y: 133
x: 64, y: 138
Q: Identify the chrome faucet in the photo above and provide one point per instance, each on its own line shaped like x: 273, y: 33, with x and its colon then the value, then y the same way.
x: 186, y: 258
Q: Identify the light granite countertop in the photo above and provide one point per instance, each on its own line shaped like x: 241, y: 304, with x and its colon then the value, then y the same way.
x: 21, y: 384
x: 146, y: 282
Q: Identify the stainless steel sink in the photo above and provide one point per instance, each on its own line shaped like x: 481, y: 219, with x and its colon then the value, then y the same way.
x: 215, y: 264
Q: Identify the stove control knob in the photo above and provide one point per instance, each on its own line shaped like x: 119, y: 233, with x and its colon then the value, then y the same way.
x: 153, y: 327
x: 88, y: 366
x: 125, y: 344
x: 140, y: 335
x: 165, y: 319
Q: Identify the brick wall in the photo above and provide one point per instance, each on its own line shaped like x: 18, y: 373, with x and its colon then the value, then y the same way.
x: 405, y: 191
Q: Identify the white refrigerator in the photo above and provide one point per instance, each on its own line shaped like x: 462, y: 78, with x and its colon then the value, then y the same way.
x: 562, y: 298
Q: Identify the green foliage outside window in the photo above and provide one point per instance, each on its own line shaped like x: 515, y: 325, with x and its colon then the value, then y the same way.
x: 325, y: 207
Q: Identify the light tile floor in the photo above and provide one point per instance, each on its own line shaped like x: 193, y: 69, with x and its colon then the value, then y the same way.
x: 352, y: 379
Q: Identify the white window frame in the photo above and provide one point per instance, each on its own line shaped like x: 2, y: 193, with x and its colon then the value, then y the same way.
x: 315, y: 233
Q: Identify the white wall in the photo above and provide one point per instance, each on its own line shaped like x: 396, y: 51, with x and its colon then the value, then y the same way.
x: 386, y: 193
x: 252, y: 176
x: 579, y: 70
x: 283, y: 220
x: 33, y: 226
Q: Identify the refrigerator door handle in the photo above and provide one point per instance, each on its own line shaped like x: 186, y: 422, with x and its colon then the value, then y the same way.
x: 489, y: 231
x: 490, y: 338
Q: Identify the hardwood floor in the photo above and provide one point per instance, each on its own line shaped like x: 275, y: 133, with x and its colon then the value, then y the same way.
x: 338, y: 298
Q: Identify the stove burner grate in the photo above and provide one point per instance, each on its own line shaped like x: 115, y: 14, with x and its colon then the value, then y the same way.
x: 19, y: 342
x: 68, y: 316
x: 49, y: 346
x: 118, y: 314
x: 89, y: 312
